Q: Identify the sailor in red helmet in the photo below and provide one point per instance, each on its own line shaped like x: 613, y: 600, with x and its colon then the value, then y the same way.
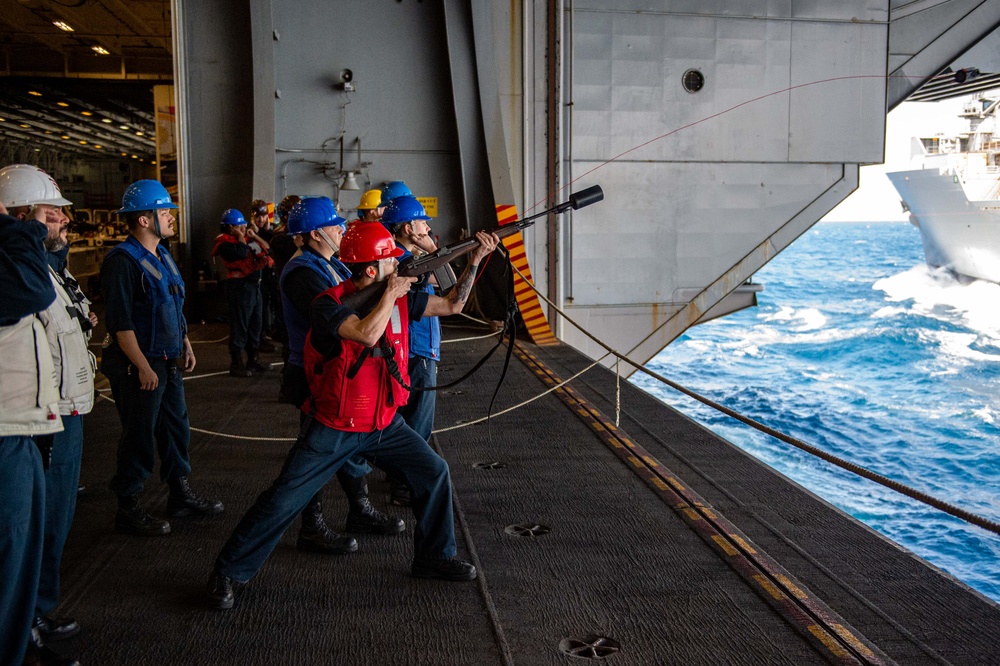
x: 356, y: 368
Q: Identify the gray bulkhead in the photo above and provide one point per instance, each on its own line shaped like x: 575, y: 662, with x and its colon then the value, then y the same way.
x: 459, y: 100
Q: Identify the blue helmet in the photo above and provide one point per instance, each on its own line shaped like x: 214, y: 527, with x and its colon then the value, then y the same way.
x: 403, y: 209
x: 393, y: 189
x: 145, y: 195
x: 234, y: 218
x: 313, y: 213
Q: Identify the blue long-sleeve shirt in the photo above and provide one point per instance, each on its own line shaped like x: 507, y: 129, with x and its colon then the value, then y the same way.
x: 24, y: 273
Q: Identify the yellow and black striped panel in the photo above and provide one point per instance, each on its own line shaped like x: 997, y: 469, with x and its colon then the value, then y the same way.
x: 527, y: 301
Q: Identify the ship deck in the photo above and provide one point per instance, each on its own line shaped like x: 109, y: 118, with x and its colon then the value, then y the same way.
x: 653, y: 542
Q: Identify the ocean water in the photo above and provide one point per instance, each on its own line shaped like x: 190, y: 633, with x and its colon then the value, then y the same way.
x: 858, y: 348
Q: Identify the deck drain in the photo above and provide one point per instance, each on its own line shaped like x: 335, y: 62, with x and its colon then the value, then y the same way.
x: 527, y: 530
x: 590, y: 647
x: 489, y: 465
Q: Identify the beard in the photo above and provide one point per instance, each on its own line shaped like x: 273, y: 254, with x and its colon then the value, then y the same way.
x: 55, y: 244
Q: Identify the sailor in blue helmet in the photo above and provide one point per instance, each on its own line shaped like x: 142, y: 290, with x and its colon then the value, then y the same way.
x: 311, y: 271
x: 245, y: 255
x: 146, y: 348
x: 393, y: 189
x: 406, y: 220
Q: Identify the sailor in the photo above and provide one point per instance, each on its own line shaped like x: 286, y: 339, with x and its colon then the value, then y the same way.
x: 370, y: 207
x: 393, y: 189
x: 283, y: 246
x: 30, y: 192
x: 260, y: 217
x: 29, y: 405
x: 146, y: 348
x: 313, y: 270
x: 355, y: 393
x: 245, y: 255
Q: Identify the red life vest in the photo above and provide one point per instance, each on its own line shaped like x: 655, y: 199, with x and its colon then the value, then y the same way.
x: 254, y: 261
x: 367, y: 401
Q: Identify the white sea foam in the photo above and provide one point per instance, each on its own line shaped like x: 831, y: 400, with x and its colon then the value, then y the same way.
x: 972, y: 305
x: 808, y: 319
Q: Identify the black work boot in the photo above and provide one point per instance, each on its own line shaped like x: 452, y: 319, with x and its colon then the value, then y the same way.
x: 451, y: 568
x: 184, y: 502
x: 52, y: 629
x: 133, y: 519
x: 316, y: 537
x: 219, y: 593
x: 363, y: 518
x: 236, y: 366
x: 40, y: 654
x: 254, y: 364
x: 399, y: 492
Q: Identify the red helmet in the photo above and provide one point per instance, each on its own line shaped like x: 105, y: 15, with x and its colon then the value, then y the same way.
x: 367, y: 241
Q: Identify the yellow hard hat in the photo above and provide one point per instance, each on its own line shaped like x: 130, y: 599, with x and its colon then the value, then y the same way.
x: 370, y: 200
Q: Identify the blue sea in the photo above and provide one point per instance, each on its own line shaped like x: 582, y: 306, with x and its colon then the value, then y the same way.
x: 858, y: 348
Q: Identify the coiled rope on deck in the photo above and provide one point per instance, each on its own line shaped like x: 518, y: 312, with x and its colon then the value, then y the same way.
x: 854, y: 468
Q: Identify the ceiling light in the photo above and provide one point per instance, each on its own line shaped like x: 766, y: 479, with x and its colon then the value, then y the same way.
x: 138, y: 133
x: 135, y: 157
x: 100, y: 50
x: 34, y: 93
x: 96, y: 146
x: 86, y: 113
x: 124, y: 154
x: 62, y: 104
x: 124, y: 127
x: 25, y: 126
x: 48, y: 131
x: 107, y: 120
x: 38, y: 150
x: 3, y: 120
x: 153, y: 162
x: 65, y: 136
x: 82, y: 142
x: 62, y: 25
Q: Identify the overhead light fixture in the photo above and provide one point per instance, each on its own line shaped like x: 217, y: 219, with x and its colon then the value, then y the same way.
x: 48, y: 131
x: 123, y: 127
x: 3, y: 120
x: 23, y: 126
x: 65, y: 136
x: 34, y: 93
x: 139, y: 134
x: 350, y: 183
x: 38, y: 150
x: 62, y: 25
x: 153, y: 162
x: 124, y: 154
x: 96, y: 146
x: 100, y: 50
x: 82, y: 142
x: 86, y: 113
x: 107, y: 120
x: 62, y: 104
x: 135, y: 157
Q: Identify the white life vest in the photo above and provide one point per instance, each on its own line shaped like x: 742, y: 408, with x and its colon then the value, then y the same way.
x: 74, y: 364
x: 29, y: 401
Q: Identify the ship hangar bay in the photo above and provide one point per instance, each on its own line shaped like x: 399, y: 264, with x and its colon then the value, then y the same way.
x: 720, y: 132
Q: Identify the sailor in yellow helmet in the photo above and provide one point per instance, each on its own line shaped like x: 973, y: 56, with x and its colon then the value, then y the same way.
x: 370, y: 209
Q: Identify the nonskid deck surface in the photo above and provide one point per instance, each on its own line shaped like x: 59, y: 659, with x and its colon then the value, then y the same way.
x: 621, y: 559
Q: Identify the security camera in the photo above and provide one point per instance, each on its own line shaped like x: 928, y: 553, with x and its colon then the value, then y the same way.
x: 345, y: 81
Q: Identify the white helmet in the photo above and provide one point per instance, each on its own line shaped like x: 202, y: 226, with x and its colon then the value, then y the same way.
x: 27, y: 185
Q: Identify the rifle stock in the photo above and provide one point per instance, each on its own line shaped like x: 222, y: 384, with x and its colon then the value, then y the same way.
x: 364, y: 301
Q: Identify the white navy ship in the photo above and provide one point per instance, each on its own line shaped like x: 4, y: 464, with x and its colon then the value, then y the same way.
x: 954, y: 199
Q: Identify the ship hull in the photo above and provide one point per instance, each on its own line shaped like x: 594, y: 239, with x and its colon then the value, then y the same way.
x: 960, y: 235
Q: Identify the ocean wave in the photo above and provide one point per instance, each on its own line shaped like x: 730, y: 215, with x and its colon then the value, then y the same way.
x: 937, y: 294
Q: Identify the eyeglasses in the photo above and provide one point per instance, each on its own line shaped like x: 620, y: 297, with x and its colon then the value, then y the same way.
x: 260, y: 211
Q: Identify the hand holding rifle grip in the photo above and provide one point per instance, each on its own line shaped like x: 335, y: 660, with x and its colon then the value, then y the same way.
x: 364, y: 301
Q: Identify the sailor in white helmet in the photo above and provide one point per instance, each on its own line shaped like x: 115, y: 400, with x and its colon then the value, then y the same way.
x: 27, y: 191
